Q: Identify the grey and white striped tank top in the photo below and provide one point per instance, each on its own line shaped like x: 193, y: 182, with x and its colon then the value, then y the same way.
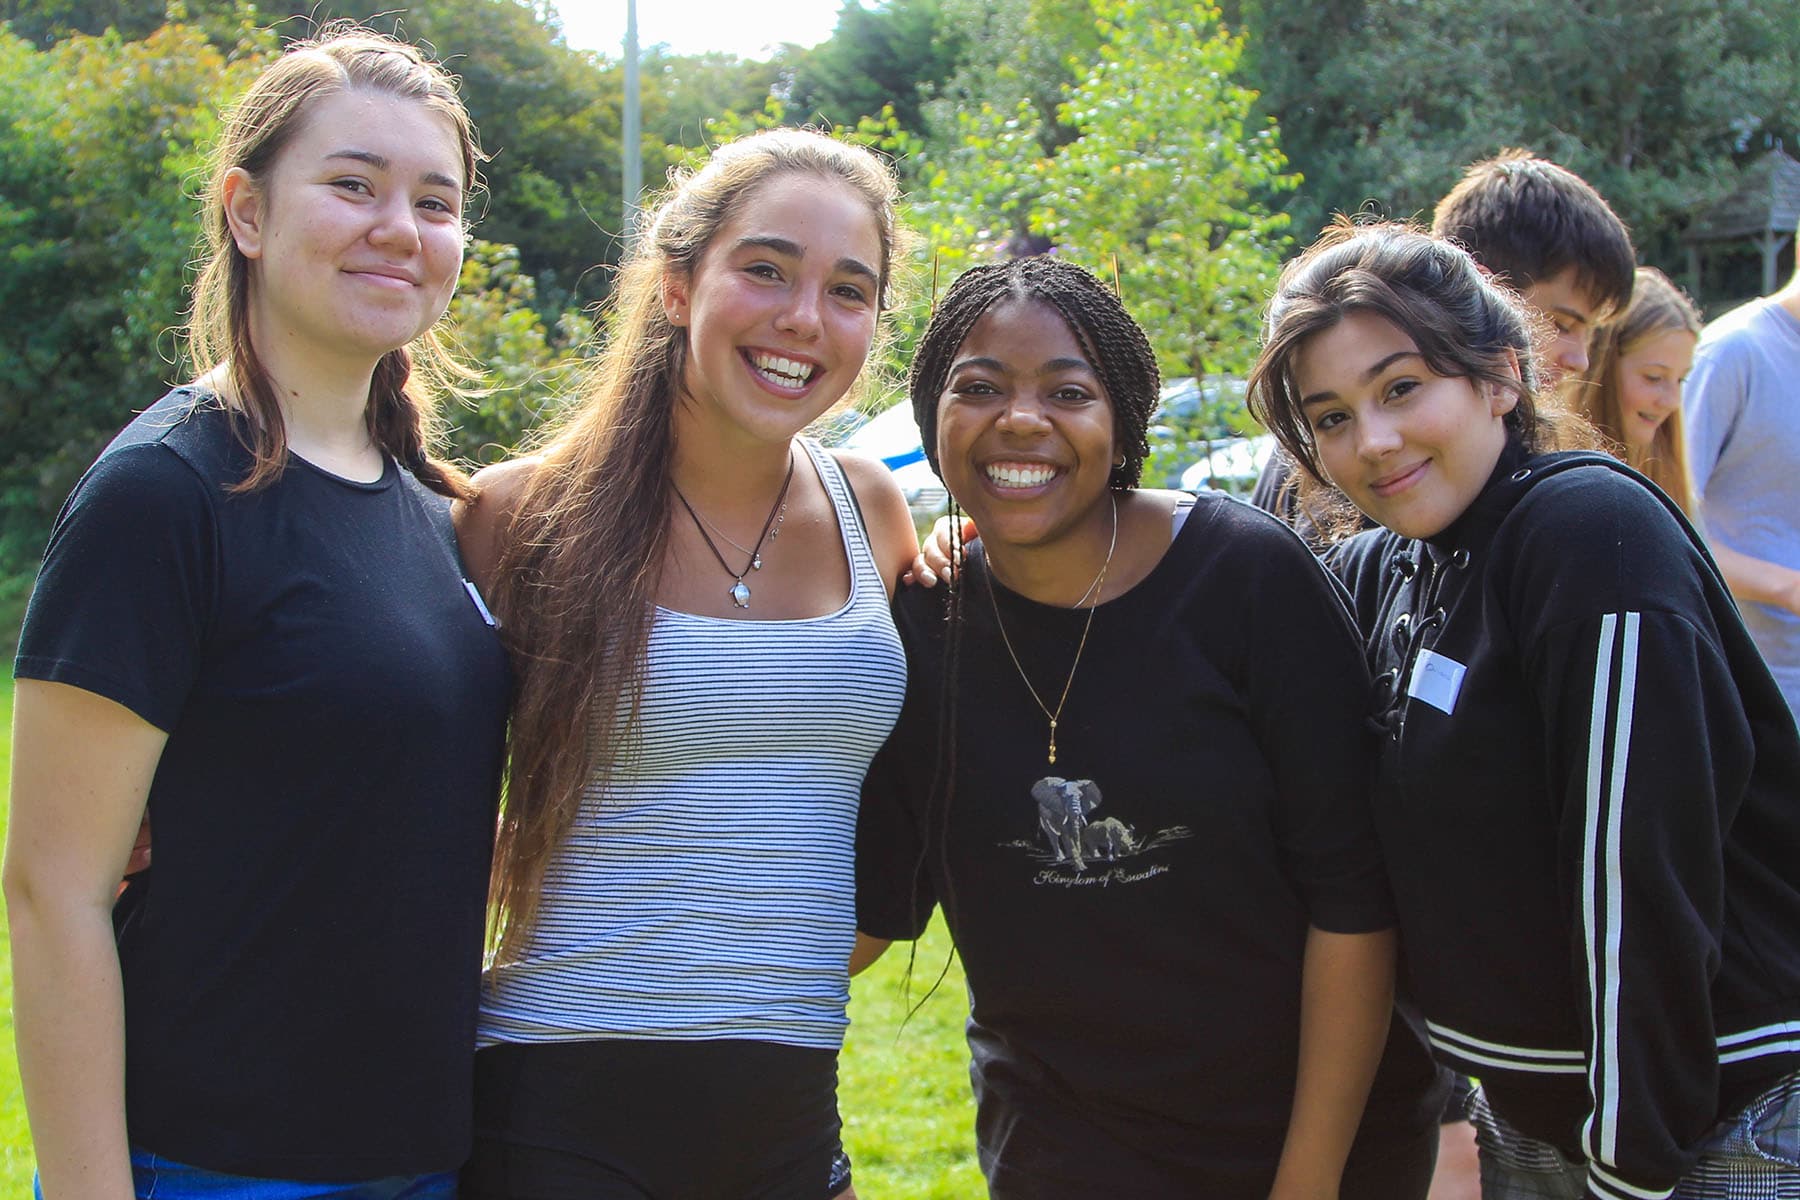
x: 710, y: 892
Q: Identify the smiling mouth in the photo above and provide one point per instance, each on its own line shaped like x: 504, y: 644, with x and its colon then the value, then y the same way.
x: 383, y: 279
x: 1397, y: 482
x: 1020, y: 474
x: 785, y: 373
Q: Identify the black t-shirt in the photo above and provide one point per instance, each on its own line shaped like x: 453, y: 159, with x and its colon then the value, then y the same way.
x: 301, y: 960
x: 1135, y: 967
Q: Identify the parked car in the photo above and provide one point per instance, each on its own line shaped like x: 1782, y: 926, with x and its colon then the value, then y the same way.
x: 1232, y: 465
x: 1199, y: 438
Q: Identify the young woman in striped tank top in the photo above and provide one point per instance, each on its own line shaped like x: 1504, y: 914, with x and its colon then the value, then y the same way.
x: 696, y: 599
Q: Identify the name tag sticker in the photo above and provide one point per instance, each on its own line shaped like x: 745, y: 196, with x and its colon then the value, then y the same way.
x: 1436, y: 679
x: 480, y: 606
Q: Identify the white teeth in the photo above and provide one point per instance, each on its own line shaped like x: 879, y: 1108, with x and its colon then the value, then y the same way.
x: 784, y: 371
x: 1021, y: 475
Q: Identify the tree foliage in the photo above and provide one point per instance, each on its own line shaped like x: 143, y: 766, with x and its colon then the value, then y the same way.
x: 99, y: 139
x: 1158, y: 175
x: 891, y: 57
x: 1656, y: 103
x: 1169, y: 176
x: 527, y: 367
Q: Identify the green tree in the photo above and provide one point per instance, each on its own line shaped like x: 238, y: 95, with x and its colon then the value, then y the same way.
x: 99, y: 139
x: 1162, y: 170
x: 1170, y: 175
x: 1656, y: 103
x: 527, y: 369
x: 890, y: 57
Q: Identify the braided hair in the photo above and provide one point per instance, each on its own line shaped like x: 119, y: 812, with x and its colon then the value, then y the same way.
x: 1120, y: 354
x: 1112, y: 341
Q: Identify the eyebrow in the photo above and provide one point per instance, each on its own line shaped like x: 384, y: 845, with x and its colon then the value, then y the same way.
x: 994, y: 364
x: 793, y: 249
x: 380, y: 163
x: 1368, y: 376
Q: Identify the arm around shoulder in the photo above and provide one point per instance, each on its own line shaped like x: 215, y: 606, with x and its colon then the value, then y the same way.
x: 891, y: 534
x: 484, y: 523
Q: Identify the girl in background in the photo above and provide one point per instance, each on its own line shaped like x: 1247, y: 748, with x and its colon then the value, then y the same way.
x: 1601, y: 911
x: 697, y: 602
x: 1633, y: 391
x: 252, y: 625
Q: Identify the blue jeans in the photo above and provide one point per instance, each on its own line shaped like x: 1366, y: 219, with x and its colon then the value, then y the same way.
x: 157, y: 1178
x: 1753, y: 1156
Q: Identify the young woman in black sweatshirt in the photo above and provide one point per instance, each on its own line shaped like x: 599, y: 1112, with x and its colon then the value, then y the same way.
x: 1589, y: 789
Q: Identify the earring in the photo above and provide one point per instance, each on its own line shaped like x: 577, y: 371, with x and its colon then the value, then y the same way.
x: 674, y: 317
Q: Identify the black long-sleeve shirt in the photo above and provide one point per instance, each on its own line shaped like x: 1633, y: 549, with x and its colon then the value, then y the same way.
x: 1589, y: 800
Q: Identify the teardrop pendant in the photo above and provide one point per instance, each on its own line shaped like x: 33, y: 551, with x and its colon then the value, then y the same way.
x: 740, y: 594
x: 756, y: 563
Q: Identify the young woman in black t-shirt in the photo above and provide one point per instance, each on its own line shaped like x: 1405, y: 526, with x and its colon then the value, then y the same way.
x: 252, y: 629
x: 1132, y: 769
x: 1589, y: 791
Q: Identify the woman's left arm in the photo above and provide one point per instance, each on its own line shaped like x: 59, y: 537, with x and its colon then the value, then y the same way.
x: 891, y: 534
x: 1346, y: 999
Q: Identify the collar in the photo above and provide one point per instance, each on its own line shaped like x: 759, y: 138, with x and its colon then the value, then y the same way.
x: 1511, y: 477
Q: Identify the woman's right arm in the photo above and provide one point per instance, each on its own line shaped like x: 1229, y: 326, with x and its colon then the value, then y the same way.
x: 81, y: 771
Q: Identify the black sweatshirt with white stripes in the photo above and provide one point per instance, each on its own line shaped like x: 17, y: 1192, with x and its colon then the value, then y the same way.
x: 1590, y: 805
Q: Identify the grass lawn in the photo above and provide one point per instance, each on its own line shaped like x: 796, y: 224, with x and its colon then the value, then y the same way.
x: 909, y: 1121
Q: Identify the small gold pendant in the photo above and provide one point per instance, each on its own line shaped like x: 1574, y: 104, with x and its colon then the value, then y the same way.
x: 1053, y: 741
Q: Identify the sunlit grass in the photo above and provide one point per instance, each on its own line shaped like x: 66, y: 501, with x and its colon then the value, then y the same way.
x: 909, y: 1121
x: 15, y: 1137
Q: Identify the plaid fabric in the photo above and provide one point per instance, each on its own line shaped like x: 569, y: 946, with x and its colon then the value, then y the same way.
x: 1753, y: 1156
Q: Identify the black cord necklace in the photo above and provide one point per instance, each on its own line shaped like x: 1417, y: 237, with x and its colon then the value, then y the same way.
x: 740, y: 591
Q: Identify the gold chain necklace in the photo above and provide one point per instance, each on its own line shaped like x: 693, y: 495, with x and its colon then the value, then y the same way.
x: 1094, y: 590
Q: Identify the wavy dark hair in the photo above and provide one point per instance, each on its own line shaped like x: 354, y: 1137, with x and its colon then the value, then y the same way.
x: 409, y: 380
x: 1464, y: 323
x: 576, y: 582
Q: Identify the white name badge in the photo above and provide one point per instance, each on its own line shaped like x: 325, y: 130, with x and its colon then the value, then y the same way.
x: 1436, y: 679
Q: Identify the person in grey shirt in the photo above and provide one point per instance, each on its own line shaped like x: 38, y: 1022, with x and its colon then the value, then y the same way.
x: 1742, y: 404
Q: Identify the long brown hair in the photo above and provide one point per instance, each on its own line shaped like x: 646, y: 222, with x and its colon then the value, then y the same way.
x: 577, y: 580
x: 408, y: 381
x: 1464, y: 323
x: 1657, y: 307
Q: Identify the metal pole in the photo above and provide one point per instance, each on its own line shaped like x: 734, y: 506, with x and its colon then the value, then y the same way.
x: 631, y: 136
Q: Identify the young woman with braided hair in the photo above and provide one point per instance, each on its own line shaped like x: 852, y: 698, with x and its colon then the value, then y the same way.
x: 696, y: 598
x: 1149, y: 839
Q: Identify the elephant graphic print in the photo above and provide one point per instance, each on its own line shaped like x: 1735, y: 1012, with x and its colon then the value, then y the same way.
x: 1079, y: 848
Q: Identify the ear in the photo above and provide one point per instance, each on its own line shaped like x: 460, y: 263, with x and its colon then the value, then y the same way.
x: 675, y: 297
x: 1502, y: 400
x: 244, y: 215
